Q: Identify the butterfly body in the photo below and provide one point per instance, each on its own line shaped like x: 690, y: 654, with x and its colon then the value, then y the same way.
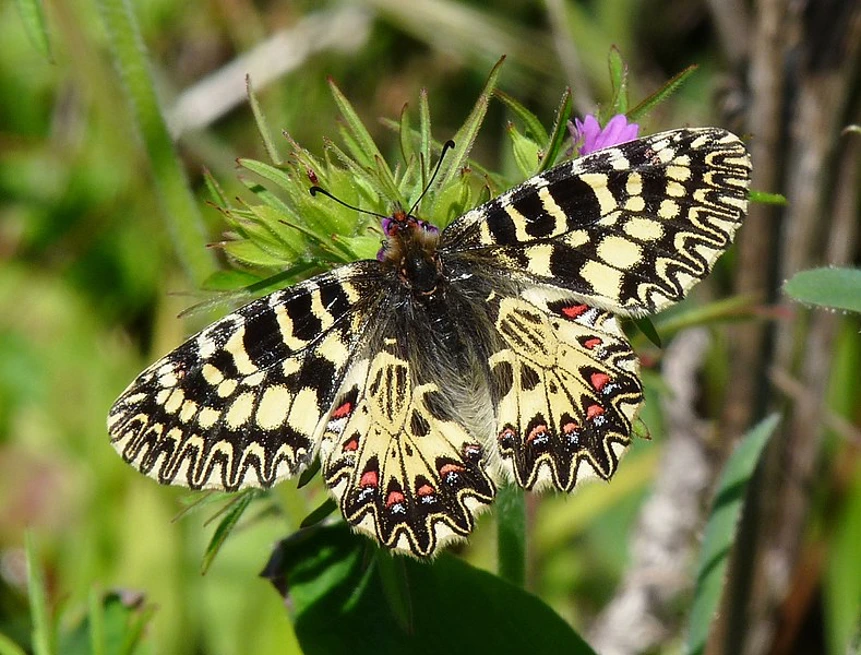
x: 487, y: 352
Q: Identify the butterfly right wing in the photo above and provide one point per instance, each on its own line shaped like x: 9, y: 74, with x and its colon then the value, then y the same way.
x: 631, y: 228
x: 243, y: 402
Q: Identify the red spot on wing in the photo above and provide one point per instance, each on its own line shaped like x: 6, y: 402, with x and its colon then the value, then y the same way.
x: 574, y: 311
x: 598, y: 380
x: 569, y: 428
x: 594, y: 411
x: 394, y: 497
x: 425, y: 490
x: 350, y: 445
x: 592, y: 343
x: 450, y: 468
x: 342, y: 411
x: 539, y: 431
x: 369, y: 479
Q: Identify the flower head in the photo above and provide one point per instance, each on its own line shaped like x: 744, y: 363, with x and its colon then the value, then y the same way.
x: 588, y: 136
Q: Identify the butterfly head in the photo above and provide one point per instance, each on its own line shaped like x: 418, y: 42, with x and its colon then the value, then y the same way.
x: 410, y: 250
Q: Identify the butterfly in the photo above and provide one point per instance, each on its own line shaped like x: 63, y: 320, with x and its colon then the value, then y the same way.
x: 489, y: 351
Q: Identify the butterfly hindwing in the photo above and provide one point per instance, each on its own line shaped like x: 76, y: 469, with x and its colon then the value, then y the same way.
x: 566, y: 390
x: 404, y: 470
x: 242, y: 402
x: 629, y: 228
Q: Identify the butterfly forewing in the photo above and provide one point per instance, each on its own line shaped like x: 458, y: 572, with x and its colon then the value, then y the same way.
x: 630, y: 228
x: 242, y: 403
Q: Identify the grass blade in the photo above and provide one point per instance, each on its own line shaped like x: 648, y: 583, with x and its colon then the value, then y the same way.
x: 43, y: 632
x: 179, y: 206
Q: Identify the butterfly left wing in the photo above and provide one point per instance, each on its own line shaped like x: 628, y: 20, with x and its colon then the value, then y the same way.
x: 630, y: 228
x: 402, y: 465
x: 565, y: 388
x: 242, y: 403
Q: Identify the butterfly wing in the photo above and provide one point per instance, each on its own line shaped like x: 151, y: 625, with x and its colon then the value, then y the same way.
x: 565, y: 387
x: 630, y: 228
x: 401, y: 463
x: 243, y: 402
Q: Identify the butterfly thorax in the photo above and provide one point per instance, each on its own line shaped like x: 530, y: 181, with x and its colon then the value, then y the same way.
x: 410, y: 251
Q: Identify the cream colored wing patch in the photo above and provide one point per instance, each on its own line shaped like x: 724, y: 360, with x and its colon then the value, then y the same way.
x: 403, y: 470
x: 565, y: 389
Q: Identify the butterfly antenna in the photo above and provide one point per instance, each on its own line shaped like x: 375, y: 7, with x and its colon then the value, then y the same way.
x: 320, y: 190
x: 446, y: 146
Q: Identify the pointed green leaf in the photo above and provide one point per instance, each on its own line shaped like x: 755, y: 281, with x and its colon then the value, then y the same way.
x: 408, y: 151
x: 646, y: 105
x: 425, y: 142
x: 532, y: 125
x: 320, y: 513
x: 648, y: 329
x: 466, y: 134
x: 559, y: 134
x: 619, y: 84
x: 226, y: 525
x: 720, y: 530
x: 260, y: 120
x: 267, y: 172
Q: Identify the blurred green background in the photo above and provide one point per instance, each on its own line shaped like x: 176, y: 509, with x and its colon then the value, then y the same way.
x: 91, y: 286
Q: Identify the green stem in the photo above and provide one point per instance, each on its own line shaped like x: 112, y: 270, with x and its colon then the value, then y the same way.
x: 180, y: 208
x: 512, y: 535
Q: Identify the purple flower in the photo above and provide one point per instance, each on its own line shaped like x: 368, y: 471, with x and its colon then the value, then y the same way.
x: 592, y: 137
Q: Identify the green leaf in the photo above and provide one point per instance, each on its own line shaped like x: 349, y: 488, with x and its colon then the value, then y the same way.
x: 560, y: 132
x: 526, y: 151
x: 43, y: 630
x: 215, y: 191
x: 408, y: 152
x: 260, y: 120
x: 361, y: 145
x: 466, y: 134
x: 645, y: 325
x: 721, y: 529
x: 340, y: 605
x: 228, y: 280
x: 267, y: 172
x: 425, y: 141
x: 320, y: 513
x: 532, y: 125
x: 619, y: 84
x: 648, y: 103
x: 833, y: 288
x: 236, y: 509
x: 33, y: 16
